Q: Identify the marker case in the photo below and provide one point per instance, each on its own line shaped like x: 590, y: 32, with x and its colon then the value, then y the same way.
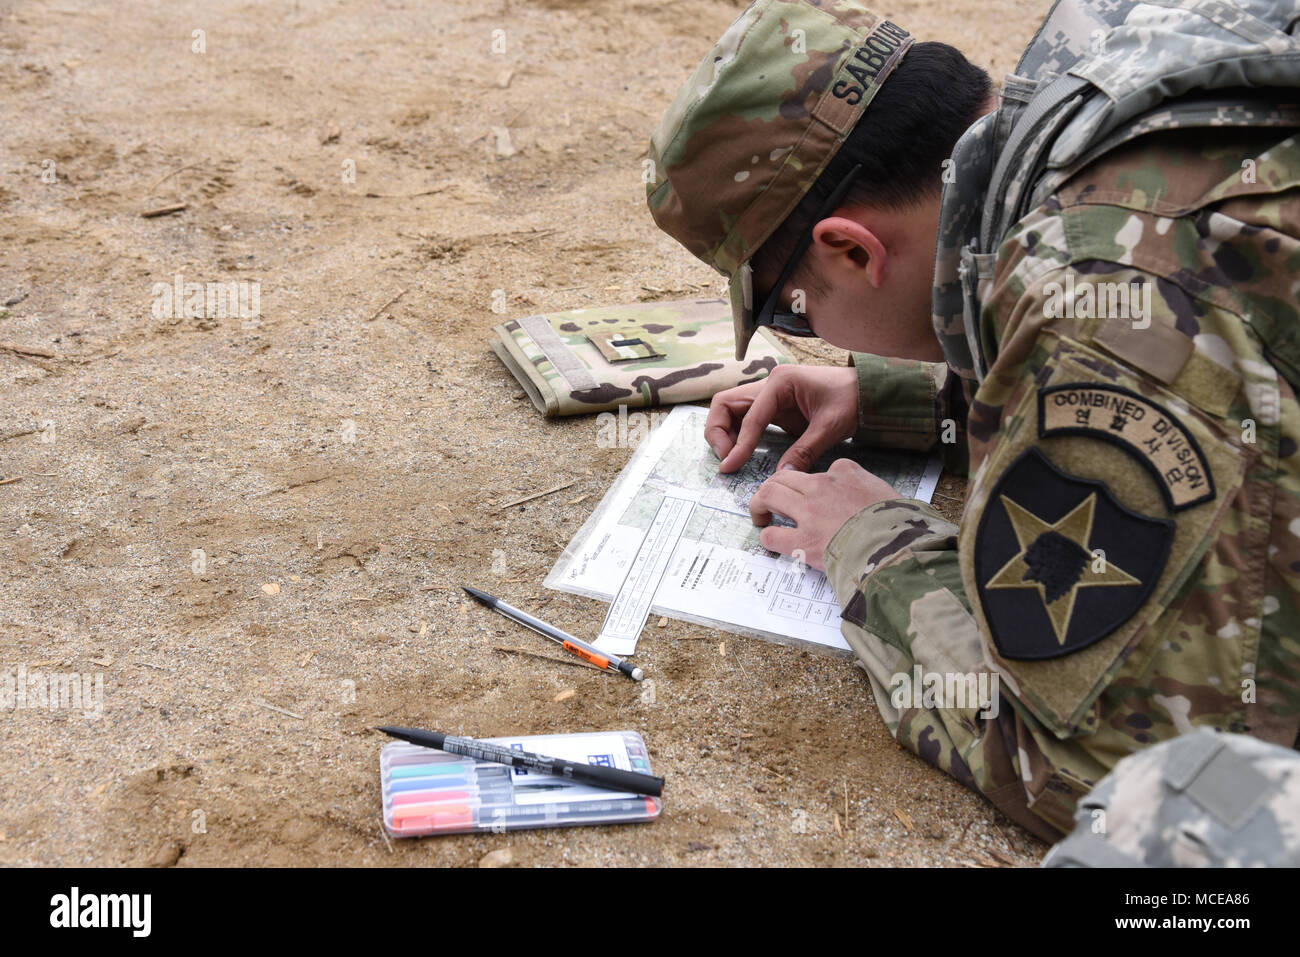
x: 427, y: 791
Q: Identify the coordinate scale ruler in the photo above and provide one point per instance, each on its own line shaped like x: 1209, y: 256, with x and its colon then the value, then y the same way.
x: 631, y: 606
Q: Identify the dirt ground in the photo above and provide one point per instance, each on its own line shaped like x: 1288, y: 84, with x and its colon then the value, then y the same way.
x: 254, y: 531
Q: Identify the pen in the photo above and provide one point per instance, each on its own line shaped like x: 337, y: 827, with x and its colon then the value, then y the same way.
x: 586, y: 652
x: 614, y: 778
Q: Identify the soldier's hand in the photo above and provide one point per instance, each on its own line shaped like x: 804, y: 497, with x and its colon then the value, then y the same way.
x: 819, y: 404
x: 818, y: 504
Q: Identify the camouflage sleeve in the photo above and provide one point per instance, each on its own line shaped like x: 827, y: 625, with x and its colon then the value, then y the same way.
x: 894, y: 568
x: 908, y: 404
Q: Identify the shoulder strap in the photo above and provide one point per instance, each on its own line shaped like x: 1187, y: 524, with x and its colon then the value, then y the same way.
x: 1049, y: 107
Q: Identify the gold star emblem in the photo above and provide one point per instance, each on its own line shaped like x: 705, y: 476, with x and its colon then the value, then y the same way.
x: 1056, y: 559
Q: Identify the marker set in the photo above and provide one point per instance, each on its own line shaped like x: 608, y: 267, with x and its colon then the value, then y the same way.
x: 426, y: 791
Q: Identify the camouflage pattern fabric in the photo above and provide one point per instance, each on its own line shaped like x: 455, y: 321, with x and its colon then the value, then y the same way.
x: 910, y: 404
x: 1115, y: 294
x: 1113, y: 61
x: 593, y: 360
x: 1201, y: 800
x: 1215, y: 642
x: 1216, y: 645
x: 754, y: 126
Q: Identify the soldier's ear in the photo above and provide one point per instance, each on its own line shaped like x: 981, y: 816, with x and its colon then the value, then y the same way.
x: 850, y: 248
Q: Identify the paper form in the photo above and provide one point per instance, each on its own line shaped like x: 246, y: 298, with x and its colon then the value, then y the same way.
x: 631, y: 605
x: 715, y: 573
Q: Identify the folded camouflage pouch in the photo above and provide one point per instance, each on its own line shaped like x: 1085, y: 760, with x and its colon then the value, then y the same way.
x: 651, y: 353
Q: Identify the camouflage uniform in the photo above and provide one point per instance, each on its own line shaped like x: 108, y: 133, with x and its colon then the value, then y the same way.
x: 1201, y: 800
x: 1128, y: 564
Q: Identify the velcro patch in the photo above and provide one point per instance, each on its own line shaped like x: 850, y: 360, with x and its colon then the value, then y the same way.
x: 1150, y: 433
x: 622, y: 346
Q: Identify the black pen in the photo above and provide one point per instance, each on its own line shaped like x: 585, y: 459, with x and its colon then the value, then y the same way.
x: 588, y: 653
x: 615, y: 779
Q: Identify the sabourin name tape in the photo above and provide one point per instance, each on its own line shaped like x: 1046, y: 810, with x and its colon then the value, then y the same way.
x: 873, y: 61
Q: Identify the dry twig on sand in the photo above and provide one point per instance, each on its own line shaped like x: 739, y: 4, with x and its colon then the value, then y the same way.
x: 529, y: 498
x: 164, y: 210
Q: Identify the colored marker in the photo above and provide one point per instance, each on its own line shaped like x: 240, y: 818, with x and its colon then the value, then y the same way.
x: 430, y: 770
x: 588, y: 653
x: 613, y: 778
x: 455, y: 817
x: 435, y: 787
x: 424, y: 784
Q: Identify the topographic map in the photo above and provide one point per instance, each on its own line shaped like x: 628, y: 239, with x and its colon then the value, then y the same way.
x: 715, y: 572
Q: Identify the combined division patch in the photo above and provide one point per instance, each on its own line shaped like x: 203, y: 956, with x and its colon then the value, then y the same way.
x: 1146, y: 431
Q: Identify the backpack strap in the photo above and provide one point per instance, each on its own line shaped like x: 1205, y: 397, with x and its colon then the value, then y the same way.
x: 1049, y: 108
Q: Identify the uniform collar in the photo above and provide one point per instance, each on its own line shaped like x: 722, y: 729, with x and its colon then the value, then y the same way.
x: 966, y: 180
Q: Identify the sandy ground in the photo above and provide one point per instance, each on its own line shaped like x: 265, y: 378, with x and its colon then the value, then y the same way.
x: 255, y: 531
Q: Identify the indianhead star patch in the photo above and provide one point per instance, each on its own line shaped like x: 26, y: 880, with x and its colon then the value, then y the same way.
x: 1060, y: 563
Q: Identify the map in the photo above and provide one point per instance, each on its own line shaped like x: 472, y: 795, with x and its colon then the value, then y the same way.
x: 711, y: 570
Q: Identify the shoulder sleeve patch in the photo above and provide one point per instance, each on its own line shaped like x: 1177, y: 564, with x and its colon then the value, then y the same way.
x: 1060, y: 563
x: 1150, y: 433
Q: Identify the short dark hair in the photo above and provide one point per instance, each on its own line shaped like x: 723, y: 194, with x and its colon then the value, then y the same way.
x: 901, y: 141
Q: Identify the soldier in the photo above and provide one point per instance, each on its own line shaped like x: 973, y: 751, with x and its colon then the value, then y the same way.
x: 1106, y: 258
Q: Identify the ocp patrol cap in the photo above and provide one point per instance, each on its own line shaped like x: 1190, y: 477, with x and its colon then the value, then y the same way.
x: 756, y: 124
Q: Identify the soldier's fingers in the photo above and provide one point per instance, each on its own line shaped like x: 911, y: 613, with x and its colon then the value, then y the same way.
x: 723, y: 421
x: 815, y: 440
x: 800, y: 482
x: 843, y: 465
x: 779, y: 538
x: 758, y: 417
x: 773, y: 496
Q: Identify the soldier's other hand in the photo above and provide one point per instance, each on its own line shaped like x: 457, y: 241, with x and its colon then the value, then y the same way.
x: 818, y: 504
x: 819, y: 404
